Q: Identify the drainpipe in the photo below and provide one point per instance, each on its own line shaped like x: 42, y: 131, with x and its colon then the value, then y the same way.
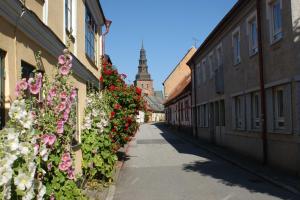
x: 195, y: 108
x: 262, y: 85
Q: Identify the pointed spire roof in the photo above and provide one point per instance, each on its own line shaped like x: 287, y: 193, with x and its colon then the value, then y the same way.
x: 143, y: 67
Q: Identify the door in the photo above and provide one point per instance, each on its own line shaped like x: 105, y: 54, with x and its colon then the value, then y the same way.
x: 2, y: 92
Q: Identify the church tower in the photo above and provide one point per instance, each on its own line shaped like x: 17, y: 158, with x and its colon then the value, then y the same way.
x: 143, y: 79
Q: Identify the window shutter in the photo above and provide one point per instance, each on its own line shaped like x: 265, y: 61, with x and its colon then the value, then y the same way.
x: 287, y: 102
x: 248, y: 112
x: 270, y: 110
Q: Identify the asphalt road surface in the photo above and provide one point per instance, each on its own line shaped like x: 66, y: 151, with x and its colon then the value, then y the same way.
x: 161, y: 166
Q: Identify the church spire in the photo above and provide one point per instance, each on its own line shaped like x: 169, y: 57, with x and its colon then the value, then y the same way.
x: 143, y: 67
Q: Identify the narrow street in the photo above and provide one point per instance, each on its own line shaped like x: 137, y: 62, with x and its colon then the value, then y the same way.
x: 161, y: 166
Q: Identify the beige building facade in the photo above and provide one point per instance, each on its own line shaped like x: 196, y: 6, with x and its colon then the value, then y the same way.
x: 178, y: 74
x: 49, y: 26
x: 227, y: 87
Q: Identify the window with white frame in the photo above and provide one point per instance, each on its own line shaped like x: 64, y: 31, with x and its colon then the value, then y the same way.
x: 203, y: 70
x: 68, y: 16
x: 211, y: 64
x: 90, y: 35
x: 219, y: 56
x: 236, y: 43
x: 275, y: 19
x: 238, y: 112
x: 255, y: 110
x: 279, y: 108
x: 252, y: 32
x: 45, y: 12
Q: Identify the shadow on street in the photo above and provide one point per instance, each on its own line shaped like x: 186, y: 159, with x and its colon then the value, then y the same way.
x: 225, y: 172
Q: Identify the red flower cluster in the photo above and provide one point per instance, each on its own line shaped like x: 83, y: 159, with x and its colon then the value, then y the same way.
x: 126, y: 102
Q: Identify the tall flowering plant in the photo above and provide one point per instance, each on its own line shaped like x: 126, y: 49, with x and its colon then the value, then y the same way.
x: 98, y: 157
x: 39, y: 137
x: 126, y: 102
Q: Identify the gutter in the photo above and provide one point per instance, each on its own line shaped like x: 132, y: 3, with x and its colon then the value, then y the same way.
x: 262, y: 83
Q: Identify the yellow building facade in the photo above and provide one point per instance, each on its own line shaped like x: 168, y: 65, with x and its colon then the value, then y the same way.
x: 49, y: 26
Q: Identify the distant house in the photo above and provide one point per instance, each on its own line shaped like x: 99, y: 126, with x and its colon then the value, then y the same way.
x: 177, y: 89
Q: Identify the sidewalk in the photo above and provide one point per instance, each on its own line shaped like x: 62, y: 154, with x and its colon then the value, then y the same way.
x: 276, y: 177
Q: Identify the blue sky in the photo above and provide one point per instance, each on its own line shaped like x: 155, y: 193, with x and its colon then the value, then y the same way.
x: 167, y: 28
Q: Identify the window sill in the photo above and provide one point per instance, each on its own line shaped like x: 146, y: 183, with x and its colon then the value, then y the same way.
x: 274, y: 42
x: 253, y: 54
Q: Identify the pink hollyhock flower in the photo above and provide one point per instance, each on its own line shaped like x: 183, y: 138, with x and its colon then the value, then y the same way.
x: 66, y: 157
x: 73, y: 94
x: 49, y: 100
x: 39, y: 79
x: 52, y: 197
x: 34, y: 87
x: 63, y: 95
x: 61, y: 59
x: 64, y: 70
x: 71, y: 174
x: 61, y: 107
x: 53, y: 92
x: 66, y: 115
x: 49, y: 139
x: 63, y: 167
x: 36, y: 149
x: 60, y: 127
x: 23, y: 84
x: 49, y: 166
x: 68, y: 163
x: 18, y: 90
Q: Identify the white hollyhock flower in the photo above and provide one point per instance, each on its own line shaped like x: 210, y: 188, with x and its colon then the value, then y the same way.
x: 7, y: 191
x: 5, y: 176
x: 99, y: 125
x: 41, y: 191
x: 24, y: 149
x: 44, y: 153
x: 29, y: 194
x: 27, y: 122
x: 13, y: 144
x: 95, y: 113
x: 23, y: 181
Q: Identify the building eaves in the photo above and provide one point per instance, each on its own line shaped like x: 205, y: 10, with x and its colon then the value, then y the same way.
x: 226, y: 19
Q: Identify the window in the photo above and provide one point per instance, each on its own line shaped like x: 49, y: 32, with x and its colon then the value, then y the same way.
x: 279, y: 108
x: 236, y: 42
x: 203, y: 71
x: 2, y: 90
x: 204, y: 115
x: 252, y: 31
x: 211, y: 65
x: 255, y: 110
x: 45, y: 12
x: 239, y: 109
x: 27, y: 70
x: 68, y: 16
x: 275, y: 19
x: 90, y: 33
x: 219, y: 56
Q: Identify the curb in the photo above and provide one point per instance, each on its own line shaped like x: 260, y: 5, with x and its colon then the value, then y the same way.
x: 119, y: 166
x: 292, y: 189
